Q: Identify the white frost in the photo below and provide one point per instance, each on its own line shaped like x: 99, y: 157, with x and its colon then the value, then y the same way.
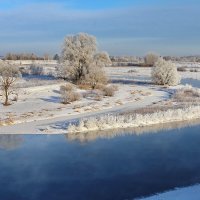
x: 135, y: 120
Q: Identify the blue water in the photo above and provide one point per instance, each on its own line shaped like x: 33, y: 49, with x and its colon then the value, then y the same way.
x: 192, y: 82
x: 52, y: 167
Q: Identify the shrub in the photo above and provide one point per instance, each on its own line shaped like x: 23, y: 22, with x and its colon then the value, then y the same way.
x: 165, y: 73
x: 150, y: 59
x: 109, y: 91
x: 132, y: 71
x: 193, y: 70
x: 83, y: 86
x: 182, y: 69
x: 68, y: 94
x: 67, y: 87
x: 36, y: 70
x: 24, y: 71
x: 95, y: 77
x: 187, y: 94
x: 100, y: 87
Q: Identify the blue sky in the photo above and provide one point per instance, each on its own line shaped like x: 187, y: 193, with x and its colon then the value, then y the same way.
x: 122, y: 27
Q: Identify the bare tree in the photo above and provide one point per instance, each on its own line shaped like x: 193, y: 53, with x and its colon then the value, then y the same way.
x: 79, y: 57
x: 8, y: 76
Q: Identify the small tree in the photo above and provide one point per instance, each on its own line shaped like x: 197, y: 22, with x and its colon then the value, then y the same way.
x: 56, y: 57
x: 8, y: 76
x: 150, y: 59
x: 95, y: 77
x: 165, y: 73
x: 96, y: 73
x: 80, y: 57
x: 102, y: 59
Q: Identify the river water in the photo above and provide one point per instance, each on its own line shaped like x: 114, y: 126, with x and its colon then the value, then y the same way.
x: 125, y: 165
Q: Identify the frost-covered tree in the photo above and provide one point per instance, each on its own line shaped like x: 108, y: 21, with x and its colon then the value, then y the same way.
x: 77, y: 54
x: 165, y: 73
x: 151, y: 58
x: 8, y: 76
x: 56, y: 57
x: 96, y: 73
x: 95, y: 77
x: 79, y: 57
x: 102, y: 59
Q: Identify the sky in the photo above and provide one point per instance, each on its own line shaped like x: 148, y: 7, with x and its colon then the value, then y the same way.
x: 122, y: 27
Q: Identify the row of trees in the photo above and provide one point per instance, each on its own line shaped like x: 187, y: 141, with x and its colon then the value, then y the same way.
x: 32, y: 56
x: 83, y: 64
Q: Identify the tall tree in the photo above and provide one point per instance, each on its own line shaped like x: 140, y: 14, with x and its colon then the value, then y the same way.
x: 79, y: 56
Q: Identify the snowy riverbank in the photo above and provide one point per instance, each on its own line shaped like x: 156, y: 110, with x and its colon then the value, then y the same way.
x: 108, y: 122
x: 191, y: 193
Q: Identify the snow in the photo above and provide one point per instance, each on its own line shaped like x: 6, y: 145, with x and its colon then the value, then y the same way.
x: 38, y: 108
x: 107, y: 122
x: 187, y: 193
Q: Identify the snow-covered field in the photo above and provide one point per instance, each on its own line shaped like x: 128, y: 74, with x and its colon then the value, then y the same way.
x: 39, y: 108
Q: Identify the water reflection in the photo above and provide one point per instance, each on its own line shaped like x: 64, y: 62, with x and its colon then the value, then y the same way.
x: 10, y: 142
x: 109, y: 134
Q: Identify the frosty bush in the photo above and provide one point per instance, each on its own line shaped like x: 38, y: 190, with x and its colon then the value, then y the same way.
x: 96, y: 77
x: 80, y: 60
x: 67, y: 87
x: 8, y: 77
x: 68, y: 94
x: 150, y: 59
x: 187, y: 94
x: 182, y: 69
x: 36, y: 70
x: 24, y: 70
x: 165, y: 73
x: 109, y: 91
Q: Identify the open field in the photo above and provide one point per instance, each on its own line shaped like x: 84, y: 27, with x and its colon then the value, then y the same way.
x: 38, y: 108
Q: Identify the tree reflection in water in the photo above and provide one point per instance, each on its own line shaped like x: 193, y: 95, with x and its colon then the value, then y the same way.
x: 108, y: 134
x: 10, y: 142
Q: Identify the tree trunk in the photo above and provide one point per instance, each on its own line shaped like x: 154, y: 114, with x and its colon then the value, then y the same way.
x: 6, y: 97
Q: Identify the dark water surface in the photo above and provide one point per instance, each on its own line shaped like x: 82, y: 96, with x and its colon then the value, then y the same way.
x: 51, y: 167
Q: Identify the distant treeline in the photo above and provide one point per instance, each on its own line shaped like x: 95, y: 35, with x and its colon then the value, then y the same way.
x: 27, y: 56
x: 183, y: 58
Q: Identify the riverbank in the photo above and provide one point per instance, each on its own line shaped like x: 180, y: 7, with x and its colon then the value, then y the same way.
x: 108, y: 122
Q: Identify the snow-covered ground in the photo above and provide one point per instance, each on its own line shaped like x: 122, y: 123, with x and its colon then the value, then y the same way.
x: 39, y: 106
x: 187, y: 193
